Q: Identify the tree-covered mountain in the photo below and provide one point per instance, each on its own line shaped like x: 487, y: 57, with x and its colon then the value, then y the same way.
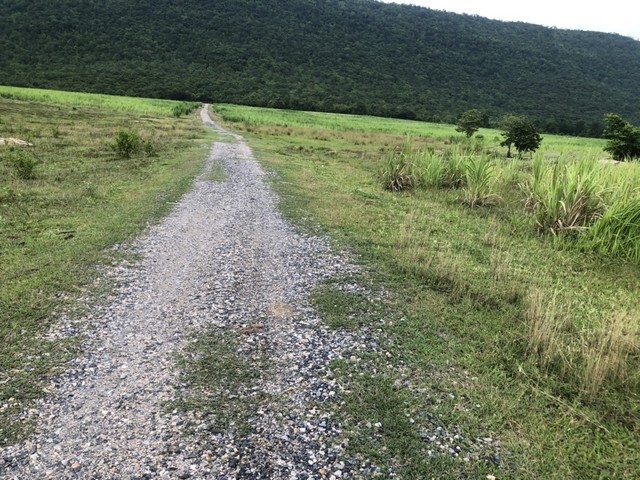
x: 355, y: 56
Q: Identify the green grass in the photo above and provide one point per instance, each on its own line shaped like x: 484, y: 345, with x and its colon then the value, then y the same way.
x: 458, y: 316
x: 251, y: 117
x: 370, y: 129
x: 343, y: 308
x: 216, y: 173
x: 220, y: 381
x: 57, y: 225
x: 76, y: 100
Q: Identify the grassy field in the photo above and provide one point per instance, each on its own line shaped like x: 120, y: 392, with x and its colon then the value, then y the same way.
x: 508, y: 291
x: 317, y: 124
x: 510, y: 330
x: 111, y: 102
x: 63, y: 203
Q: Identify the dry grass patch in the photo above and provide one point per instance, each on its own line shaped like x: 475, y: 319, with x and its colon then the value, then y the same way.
x: 608, y: 355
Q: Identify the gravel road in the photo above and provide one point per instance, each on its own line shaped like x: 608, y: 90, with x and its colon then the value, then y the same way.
x: 223, y: 258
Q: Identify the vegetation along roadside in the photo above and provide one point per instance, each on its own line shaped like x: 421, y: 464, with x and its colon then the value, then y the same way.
x: 511, y: 315
x: 100, y: 169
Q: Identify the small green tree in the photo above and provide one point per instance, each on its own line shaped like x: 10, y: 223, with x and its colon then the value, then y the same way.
x: 521, y: 133
x: 624, y: 138
x: 470, y: 121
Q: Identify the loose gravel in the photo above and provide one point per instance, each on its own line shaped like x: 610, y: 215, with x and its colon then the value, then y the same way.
x: 223, y: 258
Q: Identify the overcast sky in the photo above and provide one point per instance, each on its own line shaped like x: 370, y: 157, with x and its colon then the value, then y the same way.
x: 610, y: 16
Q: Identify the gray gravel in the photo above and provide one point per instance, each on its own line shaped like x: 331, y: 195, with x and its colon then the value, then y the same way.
x: 224, y: 257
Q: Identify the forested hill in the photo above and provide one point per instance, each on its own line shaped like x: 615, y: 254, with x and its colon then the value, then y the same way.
x: 356, y: 56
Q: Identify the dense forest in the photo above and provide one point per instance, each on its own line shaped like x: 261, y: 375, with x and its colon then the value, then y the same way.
x: 352, y: 56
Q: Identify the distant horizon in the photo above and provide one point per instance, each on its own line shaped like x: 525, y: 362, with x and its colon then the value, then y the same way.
x: 604, y: 17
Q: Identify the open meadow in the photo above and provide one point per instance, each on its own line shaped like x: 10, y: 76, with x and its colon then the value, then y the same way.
x: 64, y: 203
x: 506, y: 292
x: 511, y: 290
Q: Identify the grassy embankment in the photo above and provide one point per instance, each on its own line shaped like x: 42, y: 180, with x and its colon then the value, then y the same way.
x: 512, y: 326
x: 63, y: 203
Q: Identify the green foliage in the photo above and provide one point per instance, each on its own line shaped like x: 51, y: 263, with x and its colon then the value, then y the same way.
x: 565, y: 196
x: 23, y: 162
x: 470, y: 121
x: 463, y: 355
x: 521, y: 133
x: 480, y: 175
x: 454, y: 172
x: 617, y: 232
x: 346, y: 58
x: 149, y: 106
x: 623, y: 138
x: 126, y: 143
x: 149, y: 148
x: 432, y: 168
x: 399, y: 172
x: 183, y: 108
x: 55, y: 131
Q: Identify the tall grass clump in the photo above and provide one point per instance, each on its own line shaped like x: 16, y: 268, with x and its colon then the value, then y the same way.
x: 406, y: 169
x: 566, y: 196
x: 454, y: 173
x: 400, y: 171
x: 431, y: 167
x: 607, y: 357
x: 480, y: 176
x: 546, y: 324
x: 617, y: 232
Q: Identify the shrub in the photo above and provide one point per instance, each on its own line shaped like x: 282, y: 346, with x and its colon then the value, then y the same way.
x: 149, y: 148
x: 126, y: 143
x: 623, y: 138
x: 23, y: 162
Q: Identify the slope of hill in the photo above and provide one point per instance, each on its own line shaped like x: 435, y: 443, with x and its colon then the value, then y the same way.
x: 354, y: 56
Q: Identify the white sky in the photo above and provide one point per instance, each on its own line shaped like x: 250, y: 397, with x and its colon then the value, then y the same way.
x: 609, y: 16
